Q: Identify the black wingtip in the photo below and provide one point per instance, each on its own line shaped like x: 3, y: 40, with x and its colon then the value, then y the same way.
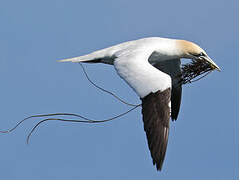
x: 159, y: 167
x: 176, y: 101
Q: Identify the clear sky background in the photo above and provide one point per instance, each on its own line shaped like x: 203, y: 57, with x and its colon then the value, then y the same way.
x: 203, y: 142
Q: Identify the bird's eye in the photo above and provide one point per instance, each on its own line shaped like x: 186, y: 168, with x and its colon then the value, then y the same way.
x: 201, y: 54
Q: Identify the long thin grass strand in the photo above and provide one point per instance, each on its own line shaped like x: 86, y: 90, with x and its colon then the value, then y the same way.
x: 86, y: 120
x: 42, y: 115
x: 104, y: 90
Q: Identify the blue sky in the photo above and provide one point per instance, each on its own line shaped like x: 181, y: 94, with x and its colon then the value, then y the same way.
x: 203, y: 142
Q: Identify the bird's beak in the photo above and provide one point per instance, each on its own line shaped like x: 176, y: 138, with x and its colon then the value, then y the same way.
x: 213, y: 64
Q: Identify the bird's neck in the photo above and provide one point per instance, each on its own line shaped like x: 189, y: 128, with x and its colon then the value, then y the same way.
x: 168, y: 49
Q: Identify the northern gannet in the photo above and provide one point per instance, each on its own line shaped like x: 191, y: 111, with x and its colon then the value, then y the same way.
x: 151, y: 66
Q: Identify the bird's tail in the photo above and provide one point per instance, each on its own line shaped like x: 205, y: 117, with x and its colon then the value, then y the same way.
x: 77, y: 59
x: 101, y: 56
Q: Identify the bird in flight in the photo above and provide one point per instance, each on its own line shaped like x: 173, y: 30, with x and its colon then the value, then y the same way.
x: 152, y: 68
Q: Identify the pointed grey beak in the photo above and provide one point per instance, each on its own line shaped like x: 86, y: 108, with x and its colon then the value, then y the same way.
x: 213, y: 64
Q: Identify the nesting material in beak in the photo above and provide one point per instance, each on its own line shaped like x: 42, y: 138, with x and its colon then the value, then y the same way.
x: 196, y: 68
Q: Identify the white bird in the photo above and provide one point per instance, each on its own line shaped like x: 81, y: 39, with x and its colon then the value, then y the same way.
x: 151, y: 66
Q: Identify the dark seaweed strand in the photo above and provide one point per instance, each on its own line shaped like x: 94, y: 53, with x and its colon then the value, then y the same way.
x: 194, y: 69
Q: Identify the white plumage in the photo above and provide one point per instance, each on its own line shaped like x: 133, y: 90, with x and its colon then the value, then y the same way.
x: 151, y: 66
x: 132, y: 62
x: 136, y: 70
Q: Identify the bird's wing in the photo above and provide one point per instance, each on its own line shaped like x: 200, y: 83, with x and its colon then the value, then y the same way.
x: 154, y: 88
x: 172, y: 68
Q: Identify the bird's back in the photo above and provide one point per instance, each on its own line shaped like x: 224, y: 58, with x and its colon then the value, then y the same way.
x: 107, y: 55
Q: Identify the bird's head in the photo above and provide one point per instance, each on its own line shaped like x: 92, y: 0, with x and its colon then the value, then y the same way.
x: 191, y: 50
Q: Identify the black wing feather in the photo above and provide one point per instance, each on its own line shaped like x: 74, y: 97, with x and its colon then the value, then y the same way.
x: 156, y: 115
x: 172, y: 68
